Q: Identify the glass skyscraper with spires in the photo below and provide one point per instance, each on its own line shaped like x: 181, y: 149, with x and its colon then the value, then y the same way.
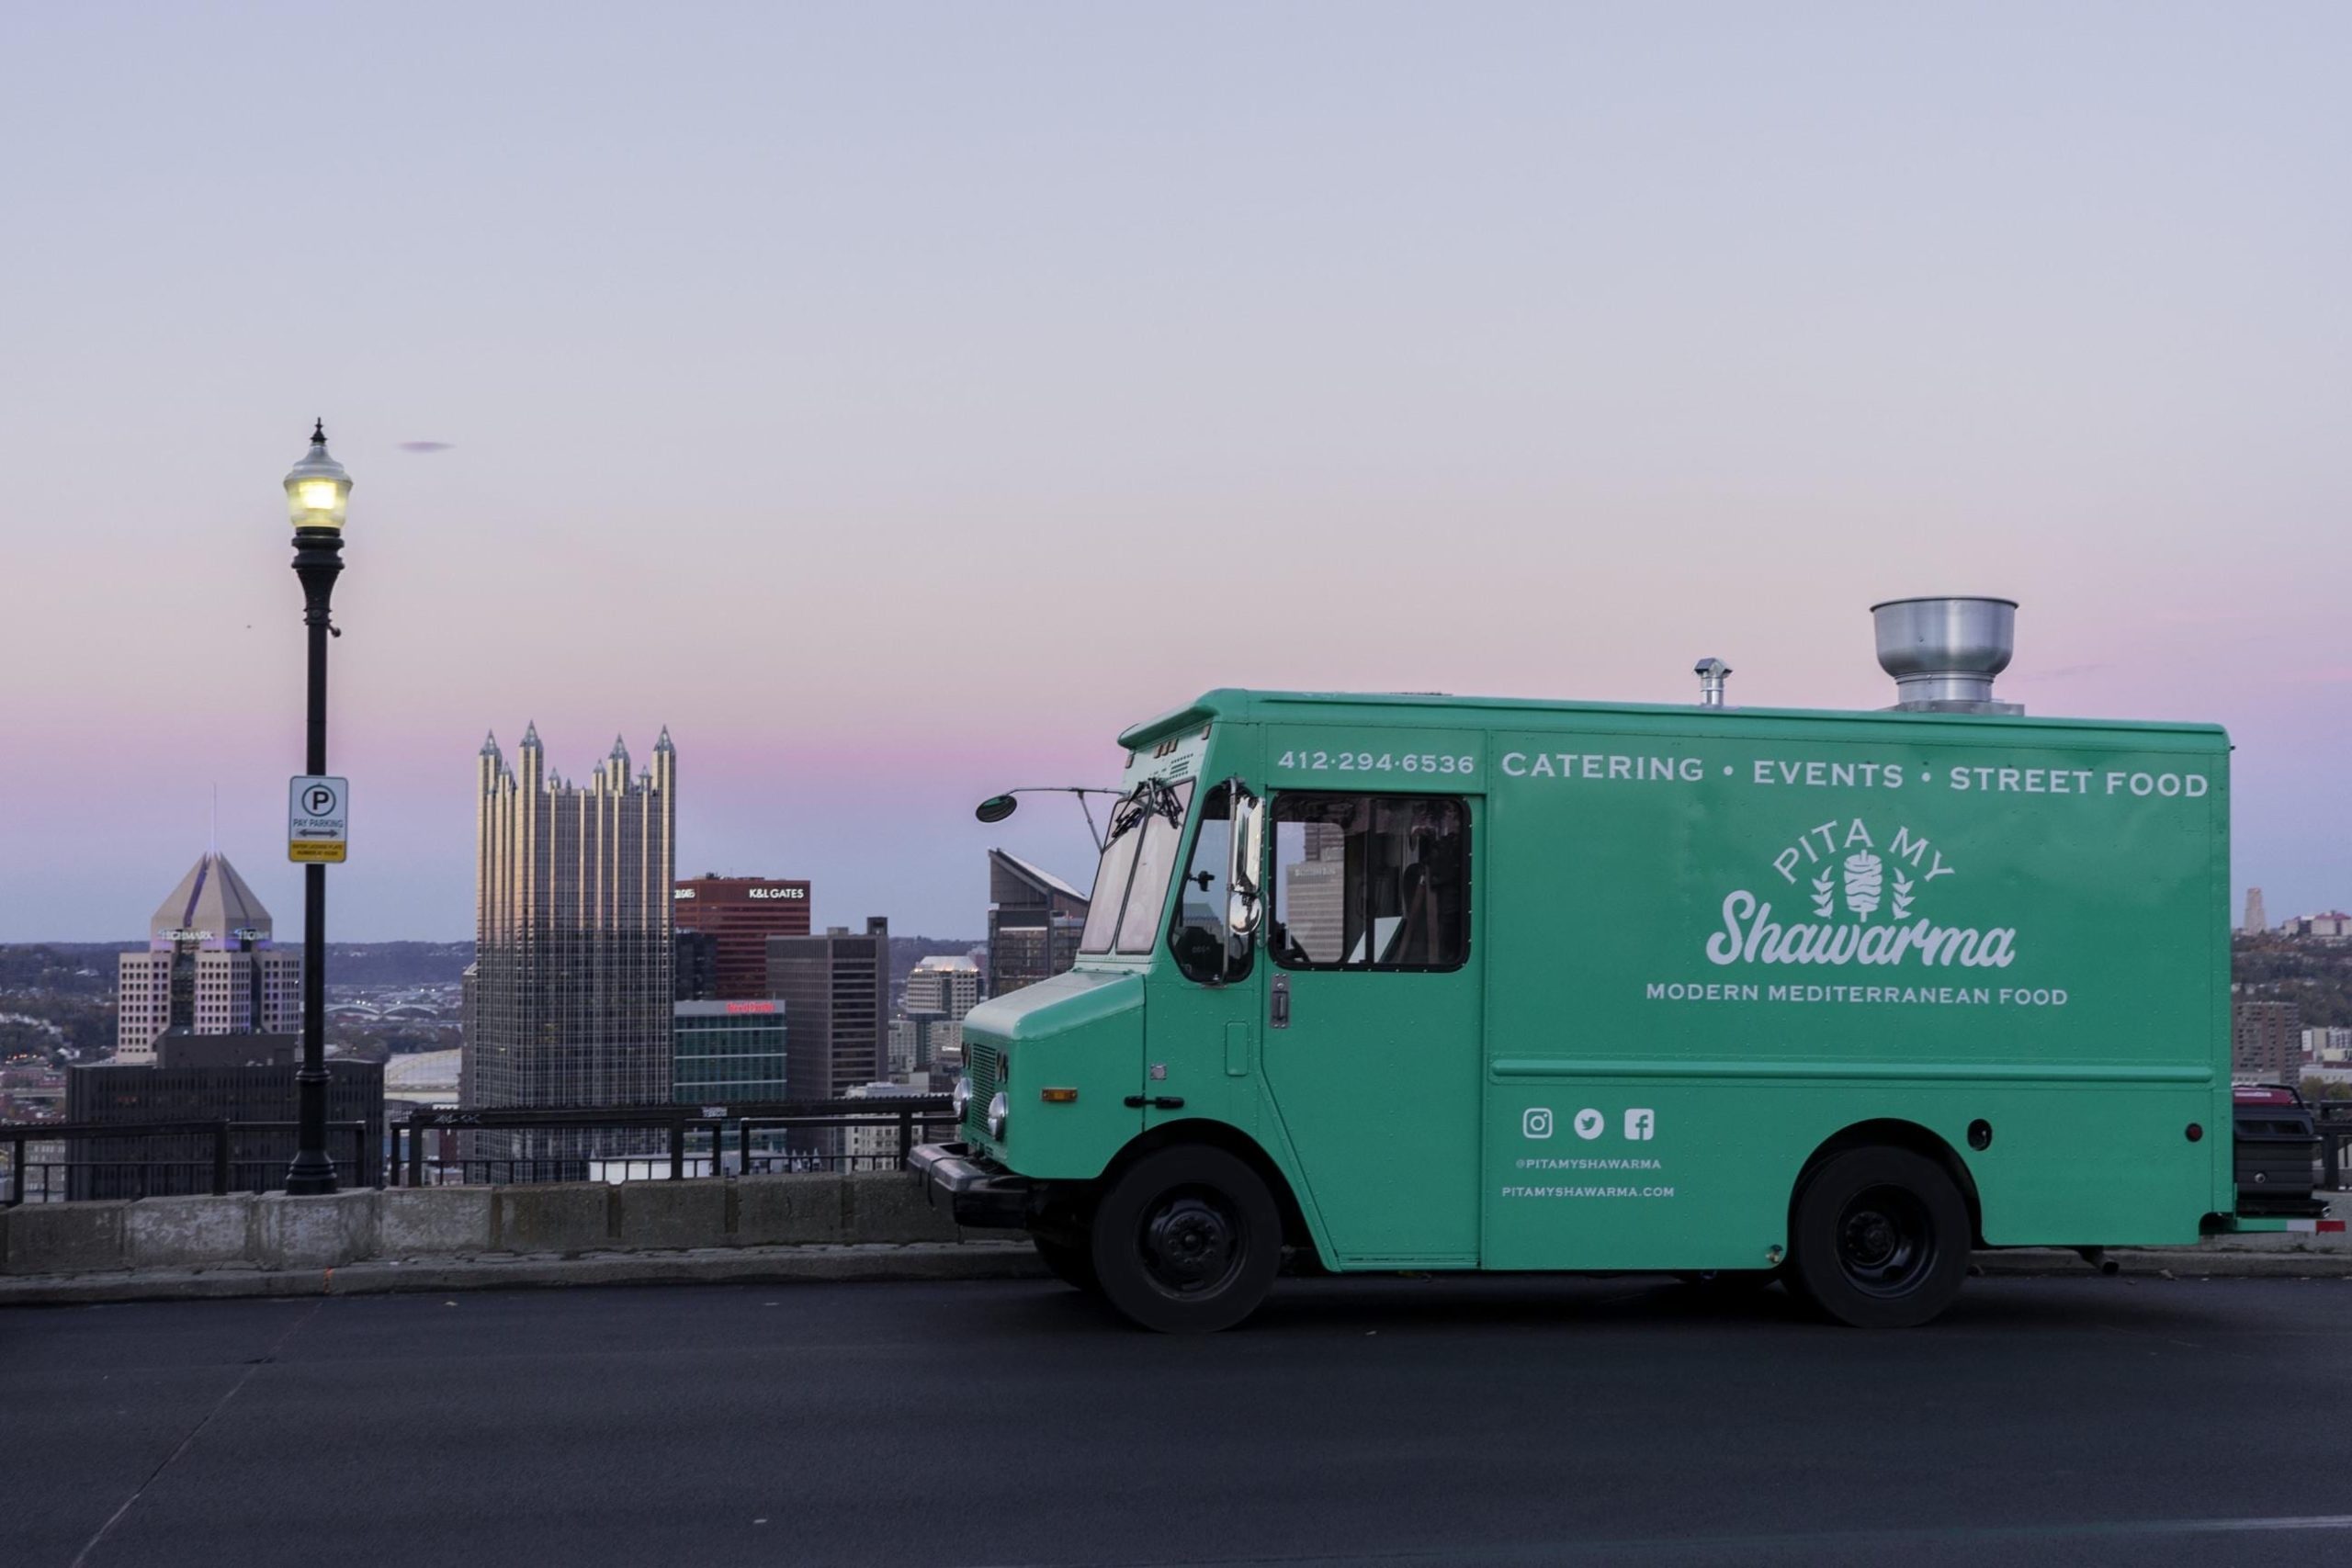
x: 568, y: 1001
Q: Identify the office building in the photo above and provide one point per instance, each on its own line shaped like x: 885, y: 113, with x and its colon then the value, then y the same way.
x: 2329, y: 1047
x: 571, y: 990
x: 729, y: 1053
x: 2266, y: 1041
x: 925, y: 1042
x: 203, y: 1078
x: 693, y: 966
x: 739, y: 914
x: 179, y: 1048
x: 2257, y: 921
x: 929, y: 1036
x: 1034, y: 921
x: 2334, y: 925
x: 836, y: 991
x: 946, y: 983
x: 209, y: 967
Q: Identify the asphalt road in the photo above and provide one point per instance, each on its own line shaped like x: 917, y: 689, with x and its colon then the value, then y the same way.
x: 1393, y: 1421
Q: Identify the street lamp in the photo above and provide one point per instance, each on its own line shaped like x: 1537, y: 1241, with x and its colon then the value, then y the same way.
x: 317, y: 493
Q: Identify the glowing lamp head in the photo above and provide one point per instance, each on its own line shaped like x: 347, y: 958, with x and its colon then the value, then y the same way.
x: 318, y: 492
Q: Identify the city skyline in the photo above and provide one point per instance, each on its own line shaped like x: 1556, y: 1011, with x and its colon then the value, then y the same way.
x: 749, y: 390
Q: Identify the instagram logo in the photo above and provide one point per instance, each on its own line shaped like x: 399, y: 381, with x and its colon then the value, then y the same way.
x: 1537, y: 1122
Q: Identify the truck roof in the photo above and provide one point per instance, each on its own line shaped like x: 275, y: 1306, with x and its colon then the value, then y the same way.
x: 1426, y: 708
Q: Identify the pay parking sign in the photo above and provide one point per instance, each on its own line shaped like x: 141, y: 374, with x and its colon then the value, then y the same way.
x: 317, y: 818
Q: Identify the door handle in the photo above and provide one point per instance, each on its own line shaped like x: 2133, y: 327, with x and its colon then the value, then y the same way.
x: 1278, y: 1003
x: 1157, y: 1101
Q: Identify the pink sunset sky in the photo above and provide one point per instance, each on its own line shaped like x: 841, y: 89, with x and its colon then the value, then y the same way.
x: 896, y: 400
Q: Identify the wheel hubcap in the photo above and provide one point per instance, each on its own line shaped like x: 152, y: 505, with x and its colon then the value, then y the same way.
x: 1192, y: 1243
x: 1887, y: 1243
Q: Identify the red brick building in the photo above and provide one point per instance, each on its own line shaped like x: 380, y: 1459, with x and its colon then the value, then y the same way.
x: 740, y: 913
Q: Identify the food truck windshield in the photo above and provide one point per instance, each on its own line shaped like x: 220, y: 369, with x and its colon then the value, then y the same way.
x: 1132, y: 881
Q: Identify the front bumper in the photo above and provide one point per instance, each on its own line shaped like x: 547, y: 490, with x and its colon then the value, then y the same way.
x: 977, y: 1192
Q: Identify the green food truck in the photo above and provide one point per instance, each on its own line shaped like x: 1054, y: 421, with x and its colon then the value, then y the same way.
x: 1425, y: 982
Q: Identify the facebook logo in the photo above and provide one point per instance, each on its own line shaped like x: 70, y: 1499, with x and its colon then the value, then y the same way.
x: 1640, y: 1125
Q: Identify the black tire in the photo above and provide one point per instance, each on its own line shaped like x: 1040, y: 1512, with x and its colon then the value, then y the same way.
x: 1877, y: 1238
x: 1187, y: 1241
x: 1072, y: 1264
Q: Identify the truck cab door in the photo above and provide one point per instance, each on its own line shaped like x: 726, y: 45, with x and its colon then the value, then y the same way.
x: 1373, y: 1016
x: 1205, y: 1010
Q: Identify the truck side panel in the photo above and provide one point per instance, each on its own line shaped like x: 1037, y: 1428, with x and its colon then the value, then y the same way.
x: 1715, y: 943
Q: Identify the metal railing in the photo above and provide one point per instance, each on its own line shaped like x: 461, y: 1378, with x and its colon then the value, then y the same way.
x: 214, y: 1157
x: 448, y: 1147
x: 672, y: 1143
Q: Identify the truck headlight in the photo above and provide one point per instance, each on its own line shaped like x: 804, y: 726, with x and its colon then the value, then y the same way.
x: 997, y: 1107
x: 962, y: 1098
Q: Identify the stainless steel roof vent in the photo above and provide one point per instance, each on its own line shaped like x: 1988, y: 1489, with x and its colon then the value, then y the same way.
x: 1712, y: 674
x: 1944, y: 652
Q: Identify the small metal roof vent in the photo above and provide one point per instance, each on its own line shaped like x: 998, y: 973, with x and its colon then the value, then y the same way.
x: 1712, y: 673
x: 1944, y: 653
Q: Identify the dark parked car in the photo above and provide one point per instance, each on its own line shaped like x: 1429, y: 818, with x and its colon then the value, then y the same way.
x: 2277, y: 1150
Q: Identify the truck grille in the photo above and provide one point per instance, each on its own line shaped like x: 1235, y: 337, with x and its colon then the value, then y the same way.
x: 980, y: 1065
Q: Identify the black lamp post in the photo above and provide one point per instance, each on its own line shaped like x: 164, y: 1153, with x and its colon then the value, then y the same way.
x: 317, y: 494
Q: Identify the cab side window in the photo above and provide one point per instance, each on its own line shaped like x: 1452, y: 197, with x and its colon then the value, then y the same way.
x: 1206, y: 949
x: 1370, y: 882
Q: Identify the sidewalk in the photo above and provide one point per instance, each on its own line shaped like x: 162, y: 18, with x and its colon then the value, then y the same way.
x: 2271, y: 1256
x: 732, y: 1265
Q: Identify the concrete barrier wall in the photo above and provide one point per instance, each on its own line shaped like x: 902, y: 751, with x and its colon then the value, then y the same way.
x: 561, y: 1219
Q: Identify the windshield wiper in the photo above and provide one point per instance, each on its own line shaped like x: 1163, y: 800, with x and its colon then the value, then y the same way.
x: 1151, y: 798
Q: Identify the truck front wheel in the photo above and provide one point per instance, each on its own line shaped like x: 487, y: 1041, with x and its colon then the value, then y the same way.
x: 1879, y: 1239
x: 1187, y: 1241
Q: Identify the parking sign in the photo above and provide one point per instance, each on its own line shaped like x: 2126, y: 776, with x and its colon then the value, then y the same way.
x: 317, y: 818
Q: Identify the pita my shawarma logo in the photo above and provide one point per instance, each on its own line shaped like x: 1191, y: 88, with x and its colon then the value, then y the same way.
x: 1849, y: 896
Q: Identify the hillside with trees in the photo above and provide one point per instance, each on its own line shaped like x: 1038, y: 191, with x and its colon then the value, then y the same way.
x: 2316, y: 975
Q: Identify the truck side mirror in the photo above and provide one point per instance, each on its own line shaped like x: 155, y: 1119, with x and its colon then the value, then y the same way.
x: 1244, y: 853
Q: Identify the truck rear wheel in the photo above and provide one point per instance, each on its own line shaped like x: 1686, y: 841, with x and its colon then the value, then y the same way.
x: 1187, y: 1241
x: 1879, y: 1239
